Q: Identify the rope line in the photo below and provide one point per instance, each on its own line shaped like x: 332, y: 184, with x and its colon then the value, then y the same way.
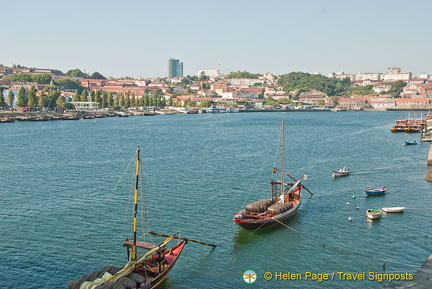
x: 348, y: 251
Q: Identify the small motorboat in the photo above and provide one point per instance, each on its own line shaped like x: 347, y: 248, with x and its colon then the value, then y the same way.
x: 409, y: 143
x: 376, y: 191
x: 373, y: 214
x: 393, y: 210
x: 342, y: 172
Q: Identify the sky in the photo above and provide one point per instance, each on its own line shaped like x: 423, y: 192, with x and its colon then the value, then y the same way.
x: 135, y: 38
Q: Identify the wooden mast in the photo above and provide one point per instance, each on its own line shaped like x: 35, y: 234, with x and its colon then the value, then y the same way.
x: 283, y: 159
x: 134, y: 247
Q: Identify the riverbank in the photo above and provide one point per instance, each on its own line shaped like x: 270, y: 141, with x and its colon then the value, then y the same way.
x: 12, y: 116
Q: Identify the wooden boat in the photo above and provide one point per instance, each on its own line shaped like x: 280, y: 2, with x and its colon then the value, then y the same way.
x: 409, y: 143
x: 409, y: 125
x: 193, y: 111
x: 146, y: 271
x: 393, y: 209
x: 342, y: 172
x: 398, y: 128
x: 373, y: 214
x: 284, y: 203
x: 376, y: 191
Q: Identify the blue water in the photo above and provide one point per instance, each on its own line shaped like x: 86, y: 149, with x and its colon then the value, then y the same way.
x: 64, y: 214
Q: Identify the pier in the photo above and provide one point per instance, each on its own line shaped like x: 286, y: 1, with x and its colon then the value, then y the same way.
x: 429, y: 163
x: 422, y: 278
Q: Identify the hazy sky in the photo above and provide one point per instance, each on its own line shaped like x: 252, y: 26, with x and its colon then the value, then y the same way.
x: 137, y: 37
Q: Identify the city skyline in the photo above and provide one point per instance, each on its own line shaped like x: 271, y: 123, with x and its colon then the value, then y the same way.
x: 136, y: 39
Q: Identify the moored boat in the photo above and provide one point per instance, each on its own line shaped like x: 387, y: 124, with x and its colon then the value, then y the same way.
x: 409, y: 125
x: 145, y: 271
x: 393, y: 209
x: 284, y: 203
x: 373, y: 214
x: 376, y: 191
x: 342, y: 172
x: 409, y: 143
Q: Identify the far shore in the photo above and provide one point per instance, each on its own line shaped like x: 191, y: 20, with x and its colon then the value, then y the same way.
x: 12, y: 116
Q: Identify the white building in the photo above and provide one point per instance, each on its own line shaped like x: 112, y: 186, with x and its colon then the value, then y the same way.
x: 395, y: 74
x: 209, y: 72
x: 381, y: 88
x: 243, y: 82
x: 382, y: 103
x: 367, y: 76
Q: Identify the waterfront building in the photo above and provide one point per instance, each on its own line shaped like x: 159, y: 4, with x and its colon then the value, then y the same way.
x: 352, y: 103
x: 413, y: 103
x: 175, y: 68
x: 382, y: 103
x: 312, y: 96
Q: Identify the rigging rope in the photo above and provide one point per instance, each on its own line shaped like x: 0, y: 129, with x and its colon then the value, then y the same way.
x: 260, y: 173
x: 340, y: 249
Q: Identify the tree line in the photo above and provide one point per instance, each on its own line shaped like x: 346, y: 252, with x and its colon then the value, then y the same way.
x: 298, y: 82
x: 50, y: 98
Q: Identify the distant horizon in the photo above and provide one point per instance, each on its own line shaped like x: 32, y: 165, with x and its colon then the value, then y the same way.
x: 136, y: 39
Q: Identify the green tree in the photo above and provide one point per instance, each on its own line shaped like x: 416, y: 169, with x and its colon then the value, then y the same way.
x: 186, y: 81
x: 104, y: 99
x: 44, y: 78
x: 206, y: 103
x: 2, y: 99
x: 146, y: 100
x: 110, y: 100
x: 121, y: 100
x: 84, y: 95
x: 203, y: 77
x: 97, y: 97
x: 22, y: 99
x: 60, y: 101
x: 52, y: 96
x: 41, y: 101
x: 69, y: 84
x: 397, y: 88
x: 18, y: 77
x: 298, y: 82
x: 77, y: 73
x: 361, y: 89
x: 171, y: 101
x: 32, y: 101
x: 76, y: 96
x: 127, y: 103
x: 243, y: 74
x: 11, y: 98
x: 97, y: 75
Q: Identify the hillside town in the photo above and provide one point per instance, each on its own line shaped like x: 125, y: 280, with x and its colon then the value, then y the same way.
x: 211, y: 89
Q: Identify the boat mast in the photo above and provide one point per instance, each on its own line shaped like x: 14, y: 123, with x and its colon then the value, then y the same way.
x: 134, y: 247
x: 283, y: 158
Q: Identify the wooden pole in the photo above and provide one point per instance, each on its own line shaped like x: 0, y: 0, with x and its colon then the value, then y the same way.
x: 180, y: 238
x: 134, y: 247
x: 301, y: 184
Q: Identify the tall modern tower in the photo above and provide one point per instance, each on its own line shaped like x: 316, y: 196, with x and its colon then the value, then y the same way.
x: 175, y: 68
